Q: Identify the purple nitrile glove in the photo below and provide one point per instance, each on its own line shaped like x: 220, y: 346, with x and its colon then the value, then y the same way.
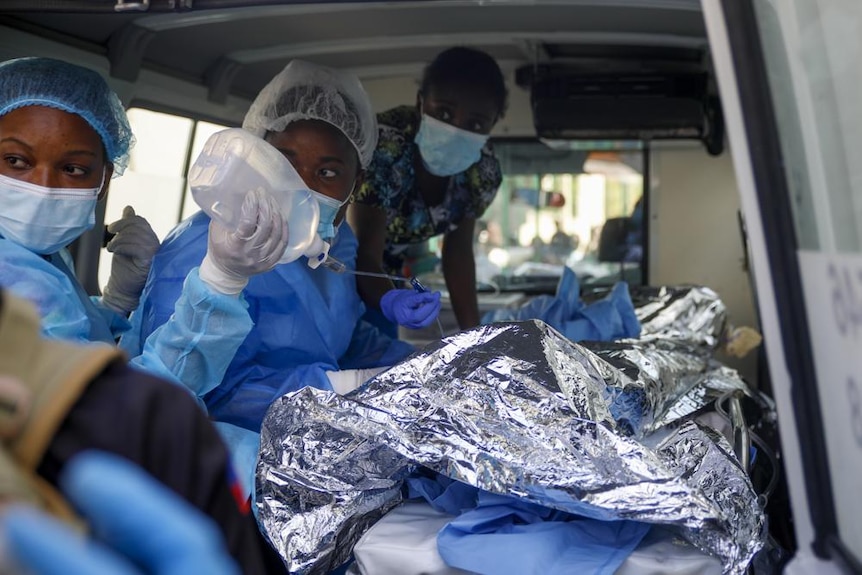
x: 410, y: 308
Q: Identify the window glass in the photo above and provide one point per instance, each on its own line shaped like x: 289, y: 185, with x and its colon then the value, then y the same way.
x: 154, y: 182
x: 812, y: 50
x: 561, y: 207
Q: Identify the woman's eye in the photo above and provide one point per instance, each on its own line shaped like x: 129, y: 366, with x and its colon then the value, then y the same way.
x: 15, y: 162
x: 441, y: 114
x: 328, y: 173
x: 76, y: 171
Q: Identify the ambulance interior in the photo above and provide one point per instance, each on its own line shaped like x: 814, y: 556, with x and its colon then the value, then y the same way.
x: 613, y: 109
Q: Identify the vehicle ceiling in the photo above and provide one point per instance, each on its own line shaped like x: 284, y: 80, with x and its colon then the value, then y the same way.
x: 234, y: 48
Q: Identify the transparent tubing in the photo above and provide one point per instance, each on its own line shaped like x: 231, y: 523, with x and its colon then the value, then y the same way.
x: 336, y: 266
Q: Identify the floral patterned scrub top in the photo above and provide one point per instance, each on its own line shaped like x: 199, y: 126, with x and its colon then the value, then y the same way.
x: 390, y: 184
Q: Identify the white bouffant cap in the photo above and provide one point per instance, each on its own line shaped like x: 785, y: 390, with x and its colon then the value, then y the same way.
x: 305, y: 91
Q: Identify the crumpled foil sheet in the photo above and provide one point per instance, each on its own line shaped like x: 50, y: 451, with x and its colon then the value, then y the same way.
x: 691, y: 314
x: 654, y: 384
x: 511, y: 408
x: 668, y: 373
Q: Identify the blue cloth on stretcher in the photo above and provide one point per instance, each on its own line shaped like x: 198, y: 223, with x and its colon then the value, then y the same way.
x: 610, y: 318
x: 500, y: 535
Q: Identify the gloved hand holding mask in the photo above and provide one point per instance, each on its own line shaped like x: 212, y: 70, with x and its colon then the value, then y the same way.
x: 144, y: 527
x: 258, y: 242
x: 134, y: 244
x: 410, y: 308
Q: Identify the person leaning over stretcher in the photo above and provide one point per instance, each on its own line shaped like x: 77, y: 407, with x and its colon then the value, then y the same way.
x: 433, y: 174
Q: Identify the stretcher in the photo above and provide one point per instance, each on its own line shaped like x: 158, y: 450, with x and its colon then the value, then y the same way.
x: 404, y: 541
x: 613, y: 433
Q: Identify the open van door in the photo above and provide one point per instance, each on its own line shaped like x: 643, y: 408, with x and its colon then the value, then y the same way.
x: 790, y: 79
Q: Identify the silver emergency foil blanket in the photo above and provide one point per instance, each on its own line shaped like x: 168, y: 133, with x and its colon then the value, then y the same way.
x: 511, y: 408
x: 691, y: 314
x: 668, y: 373
x: 654, y: 384
x: 717, y: 381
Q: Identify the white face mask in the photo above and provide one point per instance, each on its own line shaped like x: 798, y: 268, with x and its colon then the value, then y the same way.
x: 42, y: 219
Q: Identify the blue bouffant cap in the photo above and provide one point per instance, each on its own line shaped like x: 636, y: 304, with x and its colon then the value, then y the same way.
x: 73, y: 89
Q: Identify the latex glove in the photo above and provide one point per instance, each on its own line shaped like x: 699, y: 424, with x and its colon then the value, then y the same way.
x: 410, y: 308
x: 141, y: 526
x: 134, y: 244
x: 346, y: 380
x: 254, y: 247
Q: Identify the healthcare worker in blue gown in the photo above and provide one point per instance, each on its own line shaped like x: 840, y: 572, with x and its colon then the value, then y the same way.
x: 63, y: 135
x: 307, y: 329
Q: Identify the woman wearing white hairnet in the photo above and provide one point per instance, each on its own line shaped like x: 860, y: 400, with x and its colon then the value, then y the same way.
x: 307, y: 328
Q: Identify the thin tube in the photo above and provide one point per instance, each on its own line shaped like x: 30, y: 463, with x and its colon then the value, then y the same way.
x: 334, y: 265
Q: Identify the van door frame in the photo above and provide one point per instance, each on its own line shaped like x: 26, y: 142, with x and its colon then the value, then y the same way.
x: 753, y: 133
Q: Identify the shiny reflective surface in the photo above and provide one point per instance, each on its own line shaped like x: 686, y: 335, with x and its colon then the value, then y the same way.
x: 668, y: 373
x: 516, y: 409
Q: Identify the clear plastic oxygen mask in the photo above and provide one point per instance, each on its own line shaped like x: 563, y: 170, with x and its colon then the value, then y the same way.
x: 336, y: 266
x: 232, y: 163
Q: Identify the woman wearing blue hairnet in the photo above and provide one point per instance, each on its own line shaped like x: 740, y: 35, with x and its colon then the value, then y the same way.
x: 63, y: 136
x: 433, y: 174
x: 307, y: 328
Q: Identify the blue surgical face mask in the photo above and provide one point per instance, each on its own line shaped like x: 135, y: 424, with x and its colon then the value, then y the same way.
x: 329, y: 207
x: 42, y: 219
x: 445, y: 149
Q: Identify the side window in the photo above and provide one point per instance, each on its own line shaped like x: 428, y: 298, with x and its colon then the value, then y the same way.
x: 202, y: 132
x: 575, y: 206
x: 154, y: 183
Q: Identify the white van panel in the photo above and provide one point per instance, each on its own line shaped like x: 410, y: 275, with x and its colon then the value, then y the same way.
x: 694, y: 231
x: 727, y: 83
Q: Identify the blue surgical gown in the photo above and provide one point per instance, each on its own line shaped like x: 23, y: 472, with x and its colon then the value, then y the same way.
x: 192, y: 347
x: 306, y: 322
x: 188, y: 349
x: 49, y: 283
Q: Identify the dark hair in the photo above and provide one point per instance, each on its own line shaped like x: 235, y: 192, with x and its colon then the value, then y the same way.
x: 463, y: 66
